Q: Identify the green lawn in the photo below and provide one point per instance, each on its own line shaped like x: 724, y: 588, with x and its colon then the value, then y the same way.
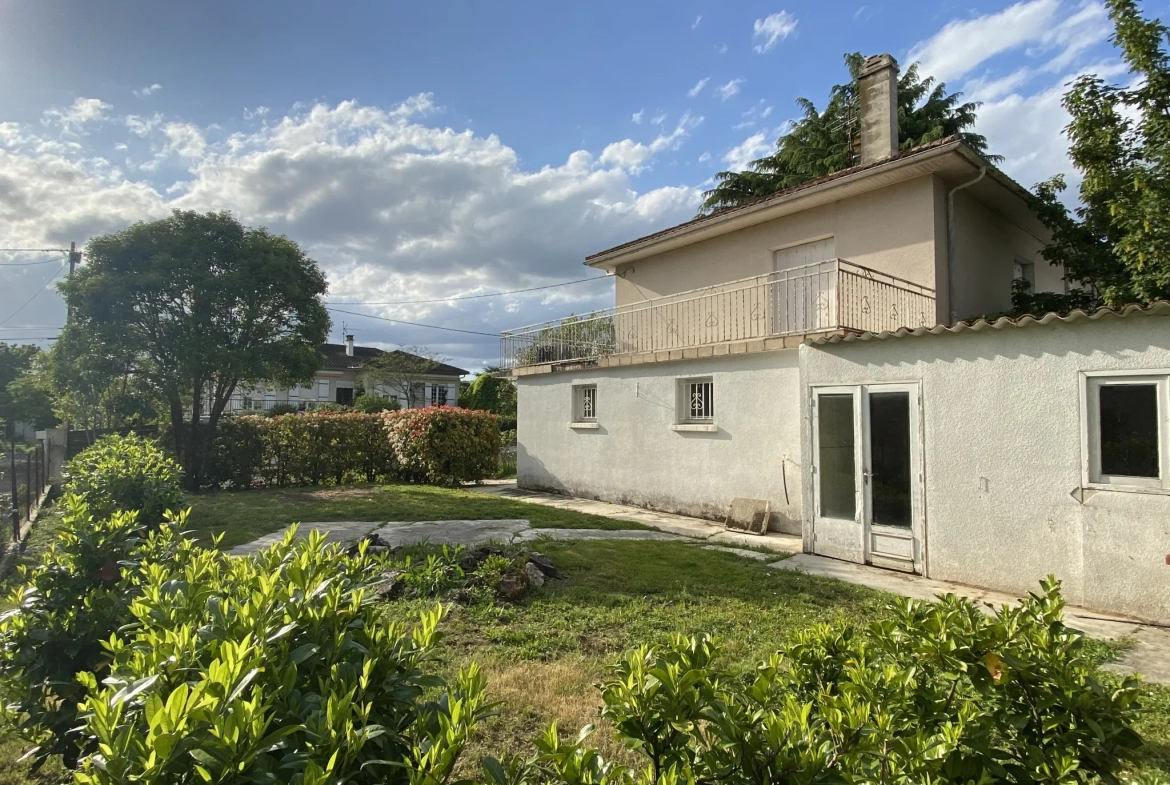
x: 243, y: 516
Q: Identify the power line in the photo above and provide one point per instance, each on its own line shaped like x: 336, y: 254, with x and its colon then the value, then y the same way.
x: 27, y: 264
x: 34, y: 250
x: 35, y: 296
x: 477, y: 296
x: 414, y: 324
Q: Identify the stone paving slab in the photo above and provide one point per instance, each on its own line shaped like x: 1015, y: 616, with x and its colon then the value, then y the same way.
x: 335, y: 531
x: 600, y: 534
x: 1150, y: 655
x: 466, y: 532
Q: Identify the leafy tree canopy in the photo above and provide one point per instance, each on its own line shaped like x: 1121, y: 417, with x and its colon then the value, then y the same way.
x: 199, y: 304
x: 1116, y: 243
x: 823, y: 141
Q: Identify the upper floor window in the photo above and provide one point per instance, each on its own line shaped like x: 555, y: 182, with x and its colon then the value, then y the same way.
x: 1127, y: 430
x: 697, y: 400
x: 585, y: 403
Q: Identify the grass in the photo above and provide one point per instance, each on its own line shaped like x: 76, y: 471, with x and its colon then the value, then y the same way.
x: 243, y: 516
x: 543, y: 657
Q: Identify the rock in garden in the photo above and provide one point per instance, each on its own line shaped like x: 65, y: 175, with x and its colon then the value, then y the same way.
x: 535, y: 576
x: 543, y: 564
x: 390, y: 587
x: 512, y: 586
x: 375, y: 541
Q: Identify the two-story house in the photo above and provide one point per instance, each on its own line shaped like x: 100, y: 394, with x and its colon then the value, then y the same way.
x: 821, y: 349
x: 345, y: 372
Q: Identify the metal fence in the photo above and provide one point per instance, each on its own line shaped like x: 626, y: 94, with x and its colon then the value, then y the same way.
x: 829, y: 295
x: 24, y: 477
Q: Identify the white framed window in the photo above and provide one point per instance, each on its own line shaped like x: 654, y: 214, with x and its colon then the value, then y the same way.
x: 696, y: 399
x: 322, y: 389
x: 438, y: 395
x: 1126, y: 435
x: 585, y: 403
x: 1026, y: 270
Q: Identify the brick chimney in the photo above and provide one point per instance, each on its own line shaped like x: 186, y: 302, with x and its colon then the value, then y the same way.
x: 877, y: 83
x: 349, y: 346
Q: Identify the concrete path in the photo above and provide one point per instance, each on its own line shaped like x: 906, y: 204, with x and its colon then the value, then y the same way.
x: 694, y: 528
x: 1149, y: 656
x: 459, y: 532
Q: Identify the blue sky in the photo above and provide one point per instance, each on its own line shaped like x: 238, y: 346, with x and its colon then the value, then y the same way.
x: 438, y: 149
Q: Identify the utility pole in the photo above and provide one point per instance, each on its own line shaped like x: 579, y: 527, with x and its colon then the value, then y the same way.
x: 74, y: 258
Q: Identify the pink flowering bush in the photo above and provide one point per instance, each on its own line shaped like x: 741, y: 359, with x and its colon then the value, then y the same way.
x: 443, y: 445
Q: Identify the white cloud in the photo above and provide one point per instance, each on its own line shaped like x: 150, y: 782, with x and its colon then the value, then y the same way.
x: 1039, y: 26
x: 722, y: 49
x: 772, y: 29
x: 658, y: 119
x: 761, y: 111
x: 698, y: 88
x: 637, y: 116
x: 698, y: 19
x: 704, y: 158
x: 143, y: 92
x: 729, y: 90
x: 82, y: 112
x: 143, y: 126
x: 393, y: 206
x: 259, y: 111
x: 635, y: 157
x: 755, y: 146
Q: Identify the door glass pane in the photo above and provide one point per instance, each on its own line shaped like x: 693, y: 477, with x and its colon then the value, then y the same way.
x: 889, y: 452
x: 837, y: 455
x: 1129, y: 430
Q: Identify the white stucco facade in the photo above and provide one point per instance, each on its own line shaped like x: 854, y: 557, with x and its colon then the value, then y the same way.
x: 633, y: 455
x: 1004, y: 442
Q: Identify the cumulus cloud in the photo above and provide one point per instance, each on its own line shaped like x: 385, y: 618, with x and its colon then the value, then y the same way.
x: 1047, y: 30
x: 143, y: 92
x: 772, y: 29
x: 729, y: 90
x: 755, y: 146
x: 698, y: 88
x: 634, y: 157
x: 637, y: 116
x: 393, y: 207
x: 74, y: 118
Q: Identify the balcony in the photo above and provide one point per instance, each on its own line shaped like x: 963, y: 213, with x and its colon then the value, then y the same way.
x: 834, y: 296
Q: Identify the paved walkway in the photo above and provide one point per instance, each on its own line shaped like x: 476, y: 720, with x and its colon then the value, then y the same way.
x: 694, y: 528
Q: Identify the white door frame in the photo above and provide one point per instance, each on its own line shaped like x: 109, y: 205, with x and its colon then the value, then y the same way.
x: 854, y: 540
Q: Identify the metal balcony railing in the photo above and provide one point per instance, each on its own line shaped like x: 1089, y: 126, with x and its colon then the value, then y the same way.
x: 824, y: 296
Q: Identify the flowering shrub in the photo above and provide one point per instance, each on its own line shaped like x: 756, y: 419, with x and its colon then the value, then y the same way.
x: 126, y: 473
x: 444, y: 445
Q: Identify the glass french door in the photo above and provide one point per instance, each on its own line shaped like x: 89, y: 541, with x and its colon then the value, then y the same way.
x: 867, y: 475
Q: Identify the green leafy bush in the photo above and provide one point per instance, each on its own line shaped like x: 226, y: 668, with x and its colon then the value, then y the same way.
x: 275, y: 669
x: 238, y: 452
x: 937, y: 693
x: 126, y: 473
x: 444, y: 445
x: 70, y: 603
x: 373, y: 404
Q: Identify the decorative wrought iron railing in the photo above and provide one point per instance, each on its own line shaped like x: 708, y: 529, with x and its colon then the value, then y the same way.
x: 819, y: 297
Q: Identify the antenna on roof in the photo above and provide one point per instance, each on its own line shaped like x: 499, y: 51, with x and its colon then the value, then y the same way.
x: 344, y: 330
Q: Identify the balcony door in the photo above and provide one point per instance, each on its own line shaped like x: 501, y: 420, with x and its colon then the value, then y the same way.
x: 804, y: 297
x: 867, y: 475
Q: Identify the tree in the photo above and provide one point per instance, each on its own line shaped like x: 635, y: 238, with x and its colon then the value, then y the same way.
x: 22, y: 399
x: 200, y: 304
x: 823, y: 142
x: 405, y: 370
x: 1116, y: 242
x: 491, y: 393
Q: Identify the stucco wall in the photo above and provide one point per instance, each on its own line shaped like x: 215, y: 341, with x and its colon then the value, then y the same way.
x: 634, y: 457
x: 986, y: 248
x: 891, y: 230
x: 1002, y: 429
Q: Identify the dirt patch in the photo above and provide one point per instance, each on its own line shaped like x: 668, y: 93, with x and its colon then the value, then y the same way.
x: 329, y: 494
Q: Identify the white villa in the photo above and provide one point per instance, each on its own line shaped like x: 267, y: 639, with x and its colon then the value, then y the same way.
x: 821, y: 349
x: 343, y: 374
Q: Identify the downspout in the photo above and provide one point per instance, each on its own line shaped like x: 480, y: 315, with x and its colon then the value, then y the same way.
x: 951, y: 240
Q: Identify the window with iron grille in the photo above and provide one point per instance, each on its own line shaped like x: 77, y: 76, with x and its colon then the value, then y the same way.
x: 697, y: 399
x: 585, y: 403
x: 439, y: 395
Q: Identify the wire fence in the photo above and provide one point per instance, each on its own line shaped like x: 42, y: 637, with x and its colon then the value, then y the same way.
x: 24, y: 477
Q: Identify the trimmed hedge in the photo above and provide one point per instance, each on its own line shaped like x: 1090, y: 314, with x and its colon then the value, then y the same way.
x: 444, y: 446
x: 440, y: 445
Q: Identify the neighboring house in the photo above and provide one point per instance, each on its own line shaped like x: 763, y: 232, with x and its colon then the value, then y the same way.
x: 344, y: 374
x: 815, y: 349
